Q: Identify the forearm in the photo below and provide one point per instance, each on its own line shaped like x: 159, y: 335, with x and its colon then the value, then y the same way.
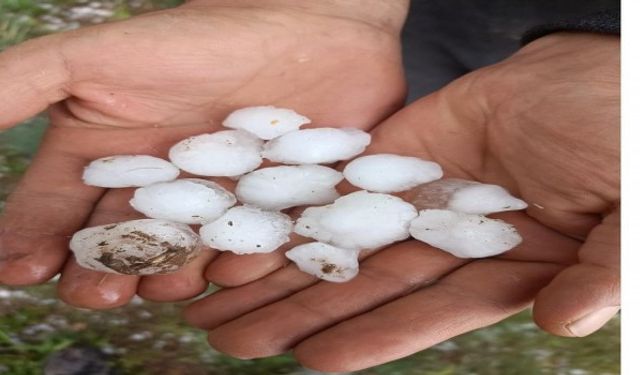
x: 389, y: 15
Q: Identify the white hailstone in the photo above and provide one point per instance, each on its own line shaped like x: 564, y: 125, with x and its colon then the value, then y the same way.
x: 266, y: 122
x: 317, y: 146
x: 247, y: 230
x: 136, y: 247
x: 326, y: 262
x: 359, y: 220
x: 464, y: 196
x: 277, y: 188
x: 464, y: 235
x: 122, y: 171
x: 388, y: 173
x: 223, y: 153
x: 188, y: 200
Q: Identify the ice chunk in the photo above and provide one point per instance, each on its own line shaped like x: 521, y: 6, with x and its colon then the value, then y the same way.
x: 388, y: 173
x: 464, y: 235
x: 325, y: 261
x: 464, y: 196
x: 317, y: 146
x: 136, y: 247
x: 122, y: 171
x: 277, y: 188
x: 266, y: 122
x: 223, y: 153
x: 246, y: 230
x: 359, y: 220
x: 188, y: 200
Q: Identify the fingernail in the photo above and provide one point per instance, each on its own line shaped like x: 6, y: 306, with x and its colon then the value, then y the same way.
x: 592, y: 321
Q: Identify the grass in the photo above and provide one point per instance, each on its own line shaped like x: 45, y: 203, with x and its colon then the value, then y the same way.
x: 148, y: 338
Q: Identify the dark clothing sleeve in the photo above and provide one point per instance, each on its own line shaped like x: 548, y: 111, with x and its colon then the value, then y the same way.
x: 606, y: 22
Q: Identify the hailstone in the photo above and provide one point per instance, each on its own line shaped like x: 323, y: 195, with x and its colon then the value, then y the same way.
x: 266, y: 122
x: 122, y: 171
x: 326, y: 262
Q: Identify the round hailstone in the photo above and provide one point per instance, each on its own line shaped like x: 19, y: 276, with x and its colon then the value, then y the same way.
x: 136, y: 247
x: 317, y: 146
x: 388, y: 173
x: 464, y: 235
x: 247, y: 230
x: 266, y: 122
x: 277, y: 188
x: 122, y: 171
x: 188, y: 200
x: 359, y: 220
x: 223, y: 153
x: 464, y: 196
x: 326, y: 262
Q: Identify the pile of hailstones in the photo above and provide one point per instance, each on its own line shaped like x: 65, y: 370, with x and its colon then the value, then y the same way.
x: 444, y: 213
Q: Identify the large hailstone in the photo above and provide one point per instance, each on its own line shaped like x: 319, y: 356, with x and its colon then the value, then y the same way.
x: 188, y: 200
x: 223, y: 153
x: 266, y: 122
x: 122, y: 171
x: 464, y: 235
x: 359, y: 220
x: 388, y: 173
x: 136, y: 247
x: 247, y: 230
x: 277, y: 188
x: 326, y: 262
x: 317, y: 146
x: 464, y: 196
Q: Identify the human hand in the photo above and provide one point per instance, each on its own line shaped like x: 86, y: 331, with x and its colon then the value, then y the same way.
x: 138, y: 86
x: 544, y: 124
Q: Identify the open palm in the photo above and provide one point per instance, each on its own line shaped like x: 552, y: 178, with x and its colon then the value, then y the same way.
x: 138, y: 86
x: 544, y: 124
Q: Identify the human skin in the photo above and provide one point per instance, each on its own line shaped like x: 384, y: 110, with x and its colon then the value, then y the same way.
x: 140, y: 85
x: 544, y: 123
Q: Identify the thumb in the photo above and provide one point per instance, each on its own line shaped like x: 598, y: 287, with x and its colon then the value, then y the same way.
x: 33, y: 75
x: 583, y: 297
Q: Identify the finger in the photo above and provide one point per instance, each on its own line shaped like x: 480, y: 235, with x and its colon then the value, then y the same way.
x: 582, y: 298
x: 49, y: 204
x: 390, y: 274
x: 187, y: 283
x: 33, y: 75
x: 477, y: 295
x: 90, y: 289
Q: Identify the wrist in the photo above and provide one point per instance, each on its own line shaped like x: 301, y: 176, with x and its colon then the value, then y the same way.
x: 388, y: 15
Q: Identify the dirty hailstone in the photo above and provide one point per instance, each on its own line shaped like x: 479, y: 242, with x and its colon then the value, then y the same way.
x: 188, y: 200
x: 277, y: 188
x: 316, y: 146
x: 122, y: 171
x: 464, y: 196
x: 325, y: 261
x: 224, y: 153
x: 359, y: 220
x: 464, y: 235
x: 137, y: 247
x: 266, y: 122
x: 388, y: 173
x: 247, y: 230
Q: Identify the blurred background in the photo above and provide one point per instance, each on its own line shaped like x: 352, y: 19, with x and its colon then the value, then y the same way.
x: 41, y: 335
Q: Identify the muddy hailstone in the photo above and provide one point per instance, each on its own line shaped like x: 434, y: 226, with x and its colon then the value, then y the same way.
x: 137, y: 247
x: 188, y: 200
x: 224, y: 153
x: 464, y: 196
x: 247, y: 230
x: 277, y: 188
x: 266, y: 122
x: 325, y: 261
x: 387, y: 173
x: 122, y: 171
x: 316, y: 146
x: 464, y: 235
x: 359, y: 220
